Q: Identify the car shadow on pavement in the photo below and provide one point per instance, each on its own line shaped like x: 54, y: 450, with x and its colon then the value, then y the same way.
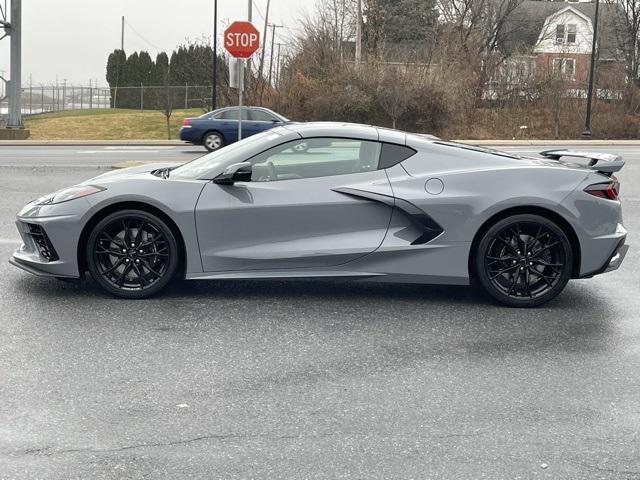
x: 573, y: 297
x: 576, y: 321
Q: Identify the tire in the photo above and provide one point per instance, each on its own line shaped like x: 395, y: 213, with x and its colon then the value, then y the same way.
x: 132, y: 254
x: 524, y: 260
x: 213, y: 141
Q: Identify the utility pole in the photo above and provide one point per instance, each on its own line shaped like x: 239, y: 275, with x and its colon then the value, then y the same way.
x: 273, y: 43
x: 587, y: 134
x: 266, y: 24
x: 277, y: 79
x: 359, y: 34
x: 122, y: 35
x: 214, y: 87
x: 15, y: 31
x: 249, y: 68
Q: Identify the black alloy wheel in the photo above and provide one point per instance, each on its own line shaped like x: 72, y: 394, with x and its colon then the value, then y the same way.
x: 132, y: 254
x: 524, y: 260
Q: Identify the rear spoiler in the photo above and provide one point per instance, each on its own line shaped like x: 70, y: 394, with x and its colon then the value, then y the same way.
x: 606, y: 163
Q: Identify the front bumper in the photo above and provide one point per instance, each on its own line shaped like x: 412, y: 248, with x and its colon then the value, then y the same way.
x: 50, y: 235
x: 36, y: 268
x: 38, y: 255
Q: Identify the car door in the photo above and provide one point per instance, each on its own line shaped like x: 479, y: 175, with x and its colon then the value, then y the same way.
x: 226, y: 122
x: 290, y: 215
x: 262, y: 120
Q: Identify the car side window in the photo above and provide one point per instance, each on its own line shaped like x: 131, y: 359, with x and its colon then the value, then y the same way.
x: 315, y: 157
x: 262, y: 116
x: 393, y: 154
x: 231, y: 115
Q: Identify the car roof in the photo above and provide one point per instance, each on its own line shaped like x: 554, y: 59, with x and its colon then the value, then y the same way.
x: 348, y: 130
x: 334, y: 129
x: 244, y: 107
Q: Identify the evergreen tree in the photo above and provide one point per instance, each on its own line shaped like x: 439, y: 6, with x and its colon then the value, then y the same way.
x: 115, y: 71
x: 402, y: 26
x: 145, y: 65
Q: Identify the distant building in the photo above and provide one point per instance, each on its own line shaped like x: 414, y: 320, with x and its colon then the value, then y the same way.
x: 545, y: 38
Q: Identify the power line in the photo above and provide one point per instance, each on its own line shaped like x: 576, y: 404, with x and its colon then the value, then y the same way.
x: 143, y: 38
x: 255, y: 5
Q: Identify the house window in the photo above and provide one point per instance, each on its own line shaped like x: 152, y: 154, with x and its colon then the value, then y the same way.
x: 571, y: 33
x: 559, y: 33
x: 564, y: 67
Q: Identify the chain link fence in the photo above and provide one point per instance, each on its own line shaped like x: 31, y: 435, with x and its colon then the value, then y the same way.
x: 45, y: 99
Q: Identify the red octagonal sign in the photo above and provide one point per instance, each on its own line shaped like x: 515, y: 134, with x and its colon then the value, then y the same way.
x: 241, y: 39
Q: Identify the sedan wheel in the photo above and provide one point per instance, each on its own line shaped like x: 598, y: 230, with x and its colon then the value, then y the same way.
x: 524, y: 260
x: 132, y: 254
x: 213, y: 141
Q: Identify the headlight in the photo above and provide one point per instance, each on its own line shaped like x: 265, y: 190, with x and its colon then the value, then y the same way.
x: 70, y: 193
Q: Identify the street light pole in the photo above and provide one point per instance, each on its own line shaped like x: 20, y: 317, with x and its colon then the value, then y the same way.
x: 359, y: 33
x: 14, y: 90
x: 214, y: 87
x: 586, y: 134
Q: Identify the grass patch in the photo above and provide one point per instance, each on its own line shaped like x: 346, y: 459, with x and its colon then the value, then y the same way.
x: 106, y: 124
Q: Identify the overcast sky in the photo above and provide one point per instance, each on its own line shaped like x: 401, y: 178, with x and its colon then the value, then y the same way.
x: 72, y: 38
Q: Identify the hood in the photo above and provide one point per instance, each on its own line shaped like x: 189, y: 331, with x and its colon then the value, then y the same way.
x: 131, y: 171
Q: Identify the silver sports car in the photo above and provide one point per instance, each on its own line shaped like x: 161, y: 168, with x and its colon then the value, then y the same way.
x: 326, y: 200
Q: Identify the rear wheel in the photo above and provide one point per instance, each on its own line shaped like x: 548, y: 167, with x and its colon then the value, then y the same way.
x: 213, y: 141
x: 132, y: 254
x: 524, y: 260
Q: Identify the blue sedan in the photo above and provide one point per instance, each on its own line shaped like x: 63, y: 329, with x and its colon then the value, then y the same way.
x: 216, y: 129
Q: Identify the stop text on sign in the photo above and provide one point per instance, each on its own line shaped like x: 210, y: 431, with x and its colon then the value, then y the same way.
x: 241, y: 39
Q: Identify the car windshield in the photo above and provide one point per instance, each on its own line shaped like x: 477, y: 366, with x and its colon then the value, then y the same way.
x: 222, y: 158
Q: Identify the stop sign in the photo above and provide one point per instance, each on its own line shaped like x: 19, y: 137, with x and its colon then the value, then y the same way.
x: 241, y: 39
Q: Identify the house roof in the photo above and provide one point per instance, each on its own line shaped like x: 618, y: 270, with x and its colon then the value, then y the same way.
x: 525, y: 23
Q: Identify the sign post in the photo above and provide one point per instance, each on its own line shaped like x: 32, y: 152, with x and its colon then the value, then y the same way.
x: 240, y: 65
x: 241, y: 40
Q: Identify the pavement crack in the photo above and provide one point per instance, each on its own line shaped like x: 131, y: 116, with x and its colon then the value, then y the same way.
x: 48, y: 451
x: 633, y: 473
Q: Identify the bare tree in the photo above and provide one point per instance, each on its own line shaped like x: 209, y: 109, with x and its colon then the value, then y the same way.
x: 163, y: 99
x: 395, y: 92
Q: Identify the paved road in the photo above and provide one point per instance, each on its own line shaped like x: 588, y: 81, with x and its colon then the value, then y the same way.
x: 98, y: 156
x: 315, y: 380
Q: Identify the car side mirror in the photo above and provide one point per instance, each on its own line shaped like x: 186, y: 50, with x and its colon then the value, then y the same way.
x: 238, y: 172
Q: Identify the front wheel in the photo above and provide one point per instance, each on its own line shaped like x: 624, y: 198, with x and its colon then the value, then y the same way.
x: 213, y: 141
x: 524, y: 260
x: 132, y: 254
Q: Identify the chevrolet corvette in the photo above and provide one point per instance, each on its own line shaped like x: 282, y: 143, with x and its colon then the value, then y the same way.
x: 340, y: 201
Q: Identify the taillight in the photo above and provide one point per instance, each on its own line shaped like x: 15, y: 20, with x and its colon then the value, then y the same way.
x: 185, y: 122
x: 609, y: 190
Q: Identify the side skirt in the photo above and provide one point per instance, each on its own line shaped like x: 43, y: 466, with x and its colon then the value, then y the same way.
x: 280, y: 274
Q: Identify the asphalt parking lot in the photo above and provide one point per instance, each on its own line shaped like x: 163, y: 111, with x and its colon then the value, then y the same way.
x: 250, y: 379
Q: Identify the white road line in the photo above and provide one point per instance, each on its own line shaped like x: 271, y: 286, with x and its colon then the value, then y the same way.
x: 93, y: 152
x: 9, y: 241
x: 133, y: 147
